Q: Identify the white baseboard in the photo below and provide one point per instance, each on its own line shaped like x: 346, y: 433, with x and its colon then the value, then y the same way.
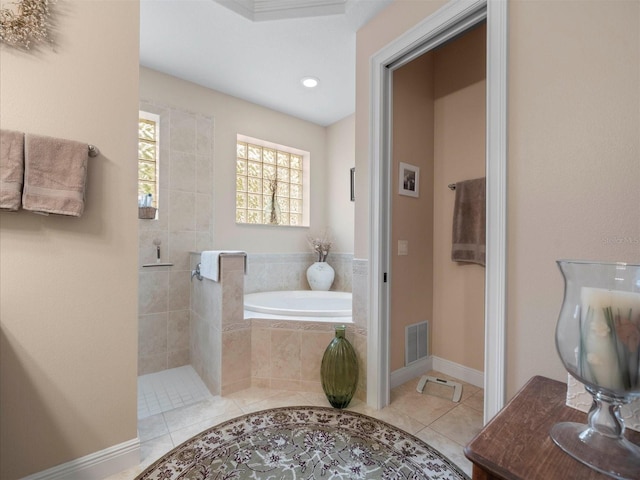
x: 466, y: 374
x: 416, y: 369
x: 419, y: 368
x: 95, y: 466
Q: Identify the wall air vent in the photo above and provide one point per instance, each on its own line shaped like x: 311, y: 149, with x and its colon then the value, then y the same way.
x: 416, y: 345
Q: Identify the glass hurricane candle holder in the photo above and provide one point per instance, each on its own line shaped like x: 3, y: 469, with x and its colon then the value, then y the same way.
x: 598, y: 340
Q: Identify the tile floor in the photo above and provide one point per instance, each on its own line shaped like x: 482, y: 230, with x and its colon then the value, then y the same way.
x: 431, y: 416
x: 169, y: 389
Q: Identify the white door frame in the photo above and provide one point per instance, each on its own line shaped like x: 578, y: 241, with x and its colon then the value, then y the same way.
x: 450, y: 20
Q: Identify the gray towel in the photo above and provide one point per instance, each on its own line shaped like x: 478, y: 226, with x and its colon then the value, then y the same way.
x: 468, y: 244
x: 11, y: 169
x: 55, y: 172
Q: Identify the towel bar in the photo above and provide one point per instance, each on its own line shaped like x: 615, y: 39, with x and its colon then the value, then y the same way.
x: 452, y: 186
x: 196, y: 273
x: 93, y: 151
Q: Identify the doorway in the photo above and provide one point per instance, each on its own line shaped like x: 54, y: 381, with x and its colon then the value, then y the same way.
x: 439, y: 130
x: 445, y: 24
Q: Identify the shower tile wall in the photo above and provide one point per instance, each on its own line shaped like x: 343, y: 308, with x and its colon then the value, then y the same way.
x: 206, y: 330
x: 184, y: 224
x: 220, y: 337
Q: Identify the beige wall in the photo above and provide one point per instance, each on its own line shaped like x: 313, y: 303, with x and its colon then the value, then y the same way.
x: 574, y: 160
x: 573, y: 154
x: 412, y: 275
x: 459, y: 152
x: 68, y: 286
x: 341, y: 151
x: 392, y: 22
x: 232, y: 116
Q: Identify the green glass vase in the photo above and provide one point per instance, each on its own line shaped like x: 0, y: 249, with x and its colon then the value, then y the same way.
x: 339, y: 370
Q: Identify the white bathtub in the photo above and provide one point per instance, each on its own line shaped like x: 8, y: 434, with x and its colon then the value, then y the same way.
x: 305, y: 305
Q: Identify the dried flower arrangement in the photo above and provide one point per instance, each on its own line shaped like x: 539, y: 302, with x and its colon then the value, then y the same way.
x: 272, y: 206
x: 320, y: 245
x: 30, y: 23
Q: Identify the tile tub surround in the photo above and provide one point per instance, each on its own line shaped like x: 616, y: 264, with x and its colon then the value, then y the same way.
x: 312, y: 339
x: 183, y: 225
x: 360, y: 299
x: 284, y: 354
x: 288, y: 271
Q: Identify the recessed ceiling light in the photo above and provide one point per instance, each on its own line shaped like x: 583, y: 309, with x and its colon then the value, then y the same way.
x: 310, y: 82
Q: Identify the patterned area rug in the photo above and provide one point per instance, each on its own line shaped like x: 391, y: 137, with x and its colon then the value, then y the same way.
x: 308, y: 443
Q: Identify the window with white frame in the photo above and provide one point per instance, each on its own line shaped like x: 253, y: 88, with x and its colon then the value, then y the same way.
x: 148, y: 146
x: 271, y: 183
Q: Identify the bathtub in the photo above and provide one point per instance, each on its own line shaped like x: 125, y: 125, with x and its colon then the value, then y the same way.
x: 304, y: 305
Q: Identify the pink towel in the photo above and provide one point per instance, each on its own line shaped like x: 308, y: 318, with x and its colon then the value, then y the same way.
x: 469, y: 220
x: 54, y: 176
x: 11, y: 169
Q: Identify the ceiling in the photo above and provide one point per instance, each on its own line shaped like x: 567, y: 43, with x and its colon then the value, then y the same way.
x: 259, y: 50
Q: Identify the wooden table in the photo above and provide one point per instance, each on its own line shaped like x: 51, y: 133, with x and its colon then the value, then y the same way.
x: 516, y: 444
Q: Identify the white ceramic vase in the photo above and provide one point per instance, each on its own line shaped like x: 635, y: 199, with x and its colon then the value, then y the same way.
x: 320, y: 276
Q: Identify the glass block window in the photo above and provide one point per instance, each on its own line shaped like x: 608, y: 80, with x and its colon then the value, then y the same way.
x: 269, y: 185
x: 148, y: 157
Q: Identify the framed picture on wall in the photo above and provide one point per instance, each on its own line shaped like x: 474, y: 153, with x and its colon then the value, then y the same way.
x: 409, y: 180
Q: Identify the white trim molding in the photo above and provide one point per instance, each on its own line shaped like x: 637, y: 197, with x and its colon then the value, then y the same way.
x: 453, y: 369
x: 96, y: 465
x: 263, y: 10
x: 408, y: 373
x: 450, y: 20
x: 440, y: 365
x: 496, y: 242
